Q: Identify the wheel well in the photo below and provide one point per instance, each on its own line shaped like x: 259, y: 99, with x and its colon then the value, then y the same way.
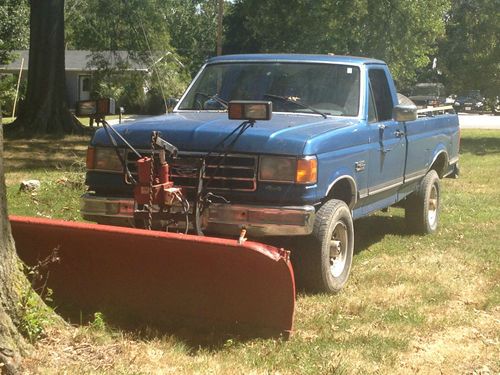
x: 344, y: 190
x: 440, y: 164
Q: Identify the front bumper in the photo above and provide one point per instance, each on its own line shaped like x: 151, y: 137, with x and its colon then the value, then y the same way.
x: 227, y: 219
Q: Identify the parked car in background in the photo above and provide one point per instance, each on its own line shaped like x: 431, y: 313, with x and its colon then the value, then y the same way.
x: 450, y: 99
x: 428, y: 95
x: 471, y: 101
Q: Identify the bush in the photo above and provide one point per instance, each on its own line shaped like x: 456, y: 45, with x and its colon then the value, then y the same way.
x: 8, y: 83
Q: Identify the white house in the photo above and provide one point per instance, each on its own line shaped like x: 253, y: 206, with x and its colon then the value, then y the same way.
x: 80, y: 66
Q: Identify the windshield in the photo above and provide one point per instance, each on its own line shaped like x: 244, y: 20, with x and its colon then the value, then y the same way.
x: 328, y: 88
x: 476, y: 95
x: 431, y: 90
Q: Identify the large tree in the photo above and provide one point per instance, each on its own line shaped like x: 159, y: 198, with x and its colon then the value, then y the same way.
x: 401, y: 32
x: 471, y: 49
x: 12, y: 281
x: 45, y: 110
x: 12, y: 286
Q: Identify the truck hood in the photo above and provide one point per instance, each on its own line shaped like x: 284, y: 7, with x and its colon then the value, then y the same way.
x: 284, y: 134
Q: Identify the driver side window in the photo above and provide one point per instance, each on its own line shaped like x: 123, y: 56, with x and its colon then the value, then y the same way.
x: 381, y: 94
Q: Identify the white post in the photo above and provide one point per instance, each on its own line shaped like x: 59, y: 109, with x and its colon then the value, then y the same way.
x: 220, y: 10
x: 17, y: 89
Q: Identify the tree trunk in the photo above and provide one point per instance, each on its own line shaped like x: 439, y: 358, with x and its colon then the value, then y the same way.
x: 45, y: 110
x: 12, y: 283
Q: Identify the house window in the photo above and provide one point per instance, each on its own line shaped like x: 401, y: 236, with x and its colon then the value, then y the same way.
x: 86, y: 84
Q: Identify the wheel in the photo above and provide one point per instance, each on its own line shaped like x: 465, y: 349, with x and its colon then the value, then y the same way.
x: 326, y: 257
x: 423, y: 205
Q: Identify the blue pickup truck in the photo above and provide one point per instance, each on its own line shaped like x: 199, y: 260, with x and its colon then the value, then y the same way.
x: 336, y: 146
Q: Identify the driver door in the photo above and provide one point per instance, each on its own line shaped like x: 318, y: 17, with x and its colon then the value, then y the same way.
x: 388, y: 151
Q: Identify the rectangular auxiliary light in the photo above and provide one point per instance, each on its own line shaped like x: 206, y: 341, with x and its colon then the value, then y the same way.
x: 250, y: 110
x: 96, y: 108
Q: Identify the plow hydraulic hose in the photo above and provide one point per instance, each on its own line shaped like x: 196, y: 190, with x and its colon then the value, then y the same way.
x: 163, y: 279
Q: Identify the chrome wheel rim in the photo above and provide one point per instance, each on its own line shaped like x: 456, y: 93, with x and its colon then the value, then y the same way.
x: 338, y: 249
x: 432, y: 206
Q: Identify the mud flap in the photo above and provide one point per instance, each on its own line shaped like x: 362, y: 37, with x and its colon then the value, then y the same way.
x: 163, y: 279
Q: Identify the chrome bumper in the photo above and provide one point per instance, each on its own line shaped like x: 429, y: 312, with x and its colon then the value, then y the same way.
x: 221, y: 218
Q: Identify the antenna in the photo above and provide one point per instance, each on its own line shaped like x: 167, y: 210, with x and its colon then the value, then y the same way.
x: 154, y: 66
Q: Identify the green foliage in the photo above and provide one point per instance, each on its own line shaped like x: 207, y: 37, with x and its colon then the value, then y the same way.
x: 471, y: 49
x: 116, y: 25
x: 8, y: 84
x: 141, y: 28
x: 98, y: 324
x: 7, y: 93
x: 35, y: 315
x: 401, y: 32
x: 192, y: 26
x: 14, y: 29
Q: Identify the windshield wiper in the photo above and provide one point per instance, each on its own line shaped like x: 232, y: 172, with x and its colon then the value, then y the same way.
x: 214, y: 97
x: 296, y: 102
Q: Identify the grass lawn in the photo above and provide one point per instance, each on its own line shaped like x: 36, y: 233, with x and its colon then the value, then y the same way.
x: 413, y: 304
x: 84, y: 120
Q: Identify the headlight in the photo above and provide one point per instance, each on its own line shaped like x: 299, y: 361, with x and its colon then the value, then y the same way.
x: 287, y: 169
x: 104, y: 159
x: 479, y: 104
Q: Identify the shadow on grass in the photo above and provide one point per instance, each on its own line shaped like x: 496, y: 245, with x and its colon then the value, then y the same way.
x: 372, y: 229
x: 193, y: 334
x: 44, y: 153
x: 480, y: 146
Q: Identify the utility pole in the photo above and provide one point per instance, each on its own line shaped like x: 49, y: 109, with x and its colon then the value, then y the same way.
x: 220, y: 11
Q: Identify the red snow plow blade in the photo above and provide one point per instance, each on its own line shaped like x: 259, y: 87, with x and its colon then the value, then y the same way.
x: 163, y: 279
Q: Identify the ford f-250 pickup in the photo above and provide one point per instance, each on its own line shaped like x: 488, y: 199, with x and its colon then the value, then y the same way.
x: 336, y: 147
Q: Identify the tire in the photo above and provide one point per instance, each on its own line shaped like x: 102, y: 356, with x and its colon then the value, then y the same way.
x: 326, y: 256
x: 424, y: 205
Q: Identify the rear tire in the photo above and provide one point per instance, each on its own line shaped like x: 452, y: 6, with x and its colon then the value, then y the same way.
x: 326, y: 257
x: 423, y: 206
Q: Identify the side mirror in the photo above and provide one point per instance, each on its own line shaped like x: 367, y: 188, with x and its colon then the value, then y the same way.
x: 403, y: 113
x: 172, y: 102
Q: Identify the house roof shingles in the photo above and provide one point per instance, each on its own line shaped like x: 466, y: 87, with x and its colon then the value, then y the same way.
x: 78, y: 60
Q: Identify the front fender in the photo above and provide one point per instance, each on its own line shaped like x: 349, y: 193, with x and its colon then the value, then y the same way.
x: 339, y: 175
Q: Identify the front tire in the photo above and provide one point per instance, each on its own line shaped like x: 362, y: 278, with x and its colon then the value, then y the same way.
x: 424, y: 205
x: 327, y: 257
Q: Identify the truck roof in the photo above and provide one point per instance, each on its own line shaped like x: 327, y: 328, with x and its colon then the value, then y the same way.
x: 295, y: 58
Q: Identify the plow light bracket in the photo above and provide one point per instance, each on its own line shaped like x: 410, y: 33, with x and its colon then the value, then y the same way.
x: 250, y: 110
x: 164, y: 145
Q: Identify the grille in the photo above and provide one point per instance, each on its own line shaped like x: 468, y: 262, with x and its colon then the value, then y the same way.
x: 233, y: 172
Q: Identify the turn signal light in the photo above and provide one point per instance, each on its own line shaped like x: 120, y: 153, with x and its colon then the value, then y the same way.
x: 307, y: 171
x: 249, y: 110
